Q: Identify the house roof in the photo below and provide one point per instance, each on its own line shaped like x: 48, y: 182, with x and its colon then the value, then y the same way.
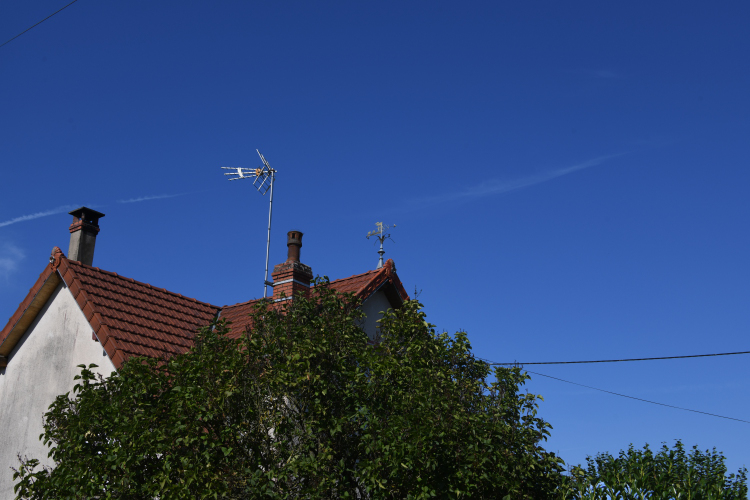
x: 131, y: 318
x: 361, y: 286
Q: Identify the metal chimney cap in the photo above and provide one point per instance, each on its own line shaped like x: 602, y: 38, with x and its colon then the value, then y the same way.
x: 87, y: 215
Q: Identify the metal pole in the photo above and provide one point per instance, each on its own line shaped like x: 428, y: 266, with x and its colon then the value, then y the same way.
x: 268, y: 241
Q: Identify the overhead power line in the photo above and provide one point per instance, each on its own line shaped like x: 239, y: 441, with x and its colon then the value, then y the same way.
x: 37, y: 24
x: 639, y: 399
x: 620, y: 360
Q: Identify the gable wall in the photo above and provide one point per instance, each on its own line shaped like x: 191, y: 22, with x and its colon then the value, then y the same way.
x: 42, y: 366
x: 372, y: 307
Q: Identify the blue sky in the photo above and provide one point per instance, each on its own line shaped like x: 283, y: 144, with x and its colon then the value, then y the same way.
x: 569, y: 181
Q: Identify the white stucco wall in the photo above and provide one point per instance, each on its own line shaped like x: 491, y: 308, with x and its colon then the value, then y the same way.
x: 40, y: 367
x: 372, y: 307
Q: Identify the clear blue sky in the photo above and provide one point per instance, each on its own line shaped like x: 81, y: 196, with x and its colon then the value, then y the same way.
x: 569, y: 180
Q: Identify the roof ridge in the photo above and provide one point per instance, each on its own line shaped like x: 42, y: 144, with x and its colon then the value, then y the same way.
x: 357, y: 275
x: 312, y: 286
x: 131, y: 280
x: 241, y: 303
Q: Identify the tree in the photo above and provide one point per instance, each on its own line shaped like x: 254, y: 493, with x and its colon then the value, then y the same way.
x: 667, y: 474
x: 302, y: 405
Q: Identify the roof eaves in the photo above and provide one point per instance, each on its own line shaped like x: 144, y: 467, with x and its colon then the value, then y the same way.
x: 29, y: 308
x: 372, y: 286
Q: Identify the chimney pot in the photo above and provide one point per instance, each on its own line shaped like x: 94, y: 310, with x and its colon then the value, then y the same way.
x: 293, y: 244
x: 83, y: 233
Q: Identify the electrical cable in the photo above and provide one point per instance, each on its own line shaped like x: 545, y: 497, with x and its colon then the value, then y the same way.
x: 639, y: 399
x: 621, y: 360
x: 37, y: 24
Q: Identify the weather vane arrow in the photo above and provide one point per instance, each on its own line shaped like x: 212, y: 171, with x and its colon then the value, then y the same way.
x: 381, y: 235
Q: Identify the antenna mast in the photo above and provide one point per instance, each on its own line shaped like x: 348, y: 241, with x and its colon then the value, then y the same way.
x: 381, y: 235
x: 264, y: 178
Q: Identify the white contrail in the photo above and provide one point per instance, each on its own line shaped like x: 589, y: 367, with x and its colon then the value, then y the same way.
x: 497, y: 186
x: 68, y: 208
x: 10, y: 256
x: 147, y: 198
x: 58, y: 210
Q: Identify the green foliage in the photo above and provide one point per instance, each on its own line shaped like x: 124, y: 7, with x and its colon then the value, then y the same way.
x: 301, y: 406
x: 667, y: 474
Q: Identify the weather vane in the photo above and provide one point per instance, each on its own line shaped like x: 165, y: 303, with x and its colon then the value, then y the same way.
x: 381, y: 235
x: 264, y: 177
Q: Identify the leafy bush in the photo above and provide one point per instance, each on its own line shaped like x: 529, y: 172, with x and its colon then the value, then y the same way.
x: 300, y: 406
x: 667, y: 474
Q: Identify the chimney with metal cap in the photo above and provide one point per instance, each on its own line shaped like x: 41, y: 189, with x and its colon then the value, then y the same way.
x: 291, y: 277
x: 83, y: 233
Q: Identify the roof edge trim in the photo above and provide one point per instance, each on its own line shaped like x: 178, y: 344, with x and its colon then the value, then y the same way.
x: 29, y: 309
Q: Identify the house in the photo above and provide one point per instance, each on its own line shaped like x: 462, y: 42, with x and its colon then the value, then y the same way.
x: 79, y: 314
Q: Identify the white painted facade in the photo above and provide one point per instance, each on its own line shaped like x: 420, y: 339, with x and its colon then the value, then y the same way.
x: 42, y: 366
x: 372, y: 307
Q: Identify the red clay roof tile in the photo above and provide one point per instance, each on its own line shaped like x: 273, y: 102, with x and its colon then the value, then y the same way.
x: 361, y: 285
x: 141, y: 319
x: 131, y: 318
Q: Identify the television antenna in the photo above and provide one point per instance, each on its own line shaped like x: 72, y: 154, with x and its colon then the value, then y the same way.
x: 381, y: 235
x: 264, y: 178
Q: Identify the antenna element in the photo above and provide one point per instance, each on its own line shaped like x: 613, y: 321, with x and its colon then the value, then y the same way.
x: 264, y: 178
x: 381, y: 235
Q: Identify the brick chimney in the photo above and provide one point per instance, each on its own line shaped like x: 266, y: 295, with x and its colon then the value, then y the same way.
x: 292, y: 277
x: 83, y: 233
